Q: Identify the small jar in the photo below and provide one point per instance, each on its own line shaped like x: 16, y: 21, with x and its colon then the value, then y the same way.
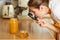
x: 13, y: 25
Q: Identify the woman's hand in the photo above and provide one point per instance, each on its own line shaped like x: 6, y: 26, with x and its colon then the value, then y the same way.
x: 43, y: 23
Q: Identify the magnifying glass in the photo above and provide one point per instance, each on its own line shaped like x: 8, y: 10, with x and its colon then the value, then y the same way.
x: 32, y: 16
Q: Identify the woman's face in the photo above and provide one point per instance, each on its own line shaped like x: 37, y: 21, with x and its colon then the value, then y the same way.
x: 39, y: 12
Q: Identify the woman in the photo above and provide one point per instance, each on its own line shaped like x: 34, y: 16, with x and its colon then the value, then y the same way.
x: 39, y: 9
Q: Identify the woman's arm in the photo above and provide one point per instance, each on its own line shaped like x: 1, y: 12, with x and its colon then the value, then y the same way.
x: 53, y: 28
x: 44, y: 23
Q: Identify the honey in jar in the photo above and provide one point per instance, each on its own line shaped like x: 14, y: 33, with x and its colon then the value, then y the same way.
x: 13, y: 25
x: 23, y: 34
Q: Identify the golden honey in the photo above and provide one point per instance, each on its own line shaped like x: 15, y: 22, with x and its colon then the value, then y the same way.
x: 57, y: 25
x: 23, y: 34
x: 13, y: 26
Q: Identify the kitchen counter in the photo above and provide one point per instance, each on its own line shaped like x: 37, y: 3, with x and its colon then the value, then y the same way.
x: 42, y: 34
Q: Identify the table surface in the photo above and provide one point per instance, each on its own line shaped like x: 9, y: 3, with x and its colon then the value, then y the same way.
x: 5, y: 35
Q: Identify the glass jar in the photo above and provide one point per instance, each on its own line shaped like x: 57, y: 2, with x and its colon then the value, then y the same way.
x: 24, y: 29
x: 25, y: 23
x: 13, y: 26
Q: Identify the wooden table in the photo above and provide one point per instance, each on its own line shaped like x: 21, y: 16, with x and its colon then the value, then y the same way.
x: 5, y: 35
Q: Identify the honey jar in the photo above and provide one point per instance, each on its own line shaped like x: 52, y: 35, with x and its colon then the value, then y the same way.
x: 13, y: 25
